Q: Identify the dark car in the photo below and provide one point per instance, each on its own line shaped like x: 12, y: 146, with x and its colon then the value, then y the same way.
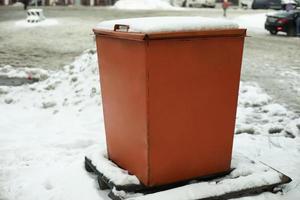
x: 266, y: 4
x: 282, y: 21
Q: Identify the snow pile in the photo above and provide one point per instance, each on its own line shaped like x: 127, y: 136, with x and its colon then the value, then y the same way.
x: 46, y: 22
x: 46, y: 130
x: 49, y: 126
x: 169, y: 24
x: 143, y: 5
x: 257, y: 114
x: 11, y: 72
x: 74, y: 86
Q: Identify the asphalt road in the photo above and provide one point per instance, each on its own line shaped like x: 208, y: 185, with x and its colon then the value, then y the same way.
x: 271, y: 61
x: 54, y: 46
x: 274, y: 63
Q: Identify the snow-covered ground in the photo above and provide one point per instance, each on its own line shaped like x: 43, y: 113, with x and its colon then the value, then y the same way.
x: 46, y: 22
x: 47, y: 127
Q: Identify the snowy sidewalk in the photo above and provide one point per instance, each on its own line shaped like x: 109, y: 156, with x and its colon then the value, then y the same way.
x: 48, y: 126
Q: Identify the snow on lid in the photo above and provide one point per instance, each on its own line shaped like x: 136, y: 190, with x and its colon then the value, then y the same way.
x: 169, y: 24
x: 143, y: 4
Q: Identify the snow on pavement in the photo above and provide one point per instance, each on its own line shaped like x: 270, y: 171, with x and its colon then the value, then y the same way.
x: 45, y: 132
x: 48, y: 126
x: 46, y: 22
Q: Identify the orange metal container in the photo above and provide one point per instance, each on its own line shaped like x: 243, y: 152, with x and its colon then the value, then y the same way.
x: 170, y: 101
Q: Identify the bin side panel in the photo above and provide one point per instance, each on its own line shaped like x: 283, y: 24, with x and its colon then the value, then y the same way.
x: 123, y: 88
x: 193, y: 91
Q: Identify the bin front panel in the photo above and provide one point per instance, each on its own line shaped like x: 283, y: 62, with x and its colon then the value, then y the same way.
x: 123, y: 88
x: 193, y: 91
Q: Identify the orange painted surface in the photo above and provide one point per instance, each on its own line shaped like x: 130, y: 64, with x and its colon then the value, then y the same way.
x: 170, y: 101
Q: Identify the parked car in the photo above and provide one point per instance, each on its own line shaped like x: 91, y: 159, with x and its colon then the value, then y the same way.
x: 201, y: 3
x: 282, y: 21
x: 266, y: 4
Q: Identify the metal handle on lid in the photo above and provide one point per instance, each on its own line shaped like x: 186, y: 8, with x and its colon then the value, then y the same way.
x: 121, y: 27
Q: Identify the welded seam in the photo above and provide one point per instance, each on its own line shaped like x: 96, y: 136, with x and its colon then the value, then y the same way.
x: 147, y: 111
